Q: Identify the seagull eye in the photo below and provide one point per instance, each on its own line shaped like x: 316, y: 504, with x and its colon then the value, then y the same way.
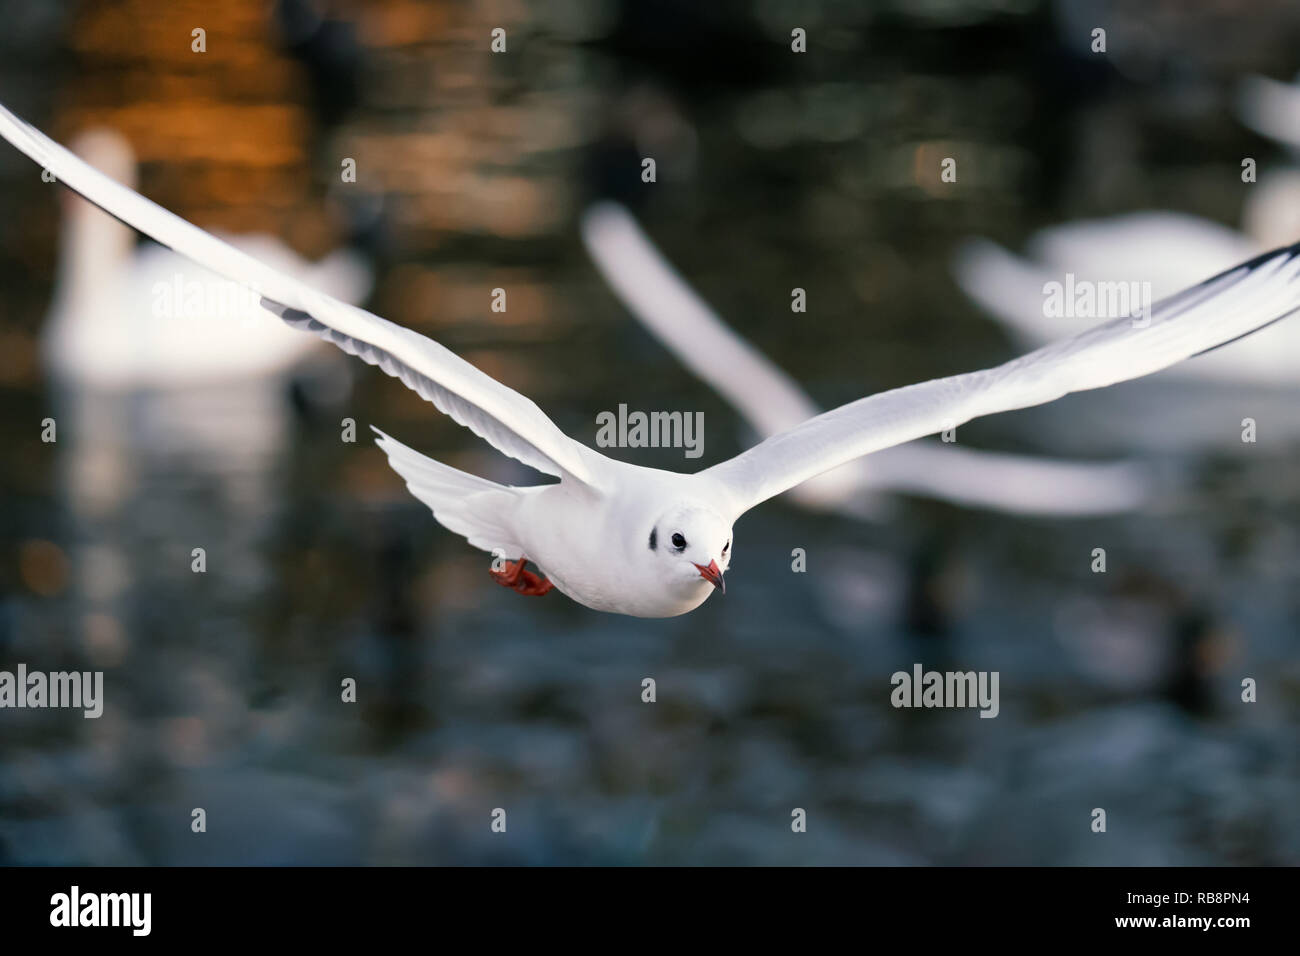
x: 678, y: 541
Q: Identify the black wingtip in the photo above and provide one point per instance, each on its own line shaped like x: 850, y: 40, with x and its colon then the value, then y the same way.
x: 1287, y: 253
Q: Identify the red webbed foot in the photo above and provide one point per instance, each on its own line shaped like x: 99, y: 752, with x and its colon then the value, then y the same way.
x: 534, y: 585
x: 516, y: 577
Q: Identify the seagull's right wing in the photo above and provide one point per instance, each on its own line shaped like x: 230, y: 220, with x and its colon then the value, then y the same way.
x: 771, y: 401
x: 509, y: 421
x: 1221, y: 309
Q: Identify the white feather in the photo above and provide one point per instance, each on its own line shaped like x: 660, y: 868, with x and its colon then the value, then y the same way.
x: 771, y: 402
x: 509, y: 421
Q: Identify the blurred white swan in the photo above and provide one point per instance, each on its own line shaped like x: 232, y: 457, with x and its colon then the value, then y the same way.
x: 1165, y: 249
x: 171, y: 403
x: 143, y: 317
x: 1271, y: 108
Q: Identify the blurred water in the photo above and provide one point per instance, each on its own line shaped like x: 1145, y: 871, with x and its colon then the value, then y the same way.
x: 1118, y: 690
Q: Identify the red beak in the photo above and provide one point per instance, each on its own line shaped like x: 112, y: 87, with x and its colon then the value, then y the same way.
x: 712, y: 575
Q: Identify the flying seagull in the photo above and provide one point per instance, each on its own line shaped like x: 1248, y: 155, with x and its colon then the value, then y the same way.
x: 771, y: 402
x: 640, y: 541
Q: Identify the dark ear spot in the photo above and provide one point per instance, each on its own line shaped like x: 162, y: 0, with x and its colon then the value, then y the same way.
x: 654, y: 538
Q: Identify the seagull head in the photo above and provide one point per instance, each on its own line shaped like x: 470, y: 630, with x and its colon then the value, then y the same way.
x: 691, y: 544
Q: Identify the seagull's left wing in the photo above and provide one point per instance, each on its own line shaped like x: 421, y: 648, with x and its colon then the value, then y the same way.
x: 501, y: 416
x: 1226, y: 307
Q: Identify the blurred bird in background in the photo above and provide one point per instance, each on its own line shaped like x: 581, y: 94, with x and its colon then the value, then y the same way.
x: 125, y: 316
x: 1161, y: 248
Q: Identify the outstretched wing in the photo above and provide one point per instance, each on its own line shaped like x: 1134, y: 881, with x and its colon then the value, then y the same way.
x: 510, y: 422
x: 771, y: 401
x: 1230, y: 305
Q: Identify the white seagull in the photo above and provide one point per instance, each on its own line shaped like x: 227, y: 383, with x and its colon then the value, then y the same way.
x: 640, y: 541
x: 771, y: 402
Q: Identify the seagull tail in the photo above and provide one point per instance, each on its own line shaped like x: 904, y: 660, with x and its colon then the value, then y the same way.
x: 470, y: 506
